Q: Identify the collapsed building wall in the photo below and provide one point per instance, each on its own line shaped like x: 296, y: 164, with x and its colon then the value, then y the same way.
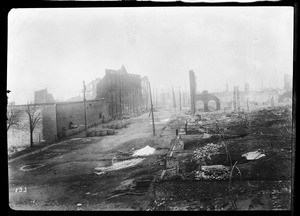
x: 42, y: 96
x: 145, y: 93
x: 49, y: 127
x: 122, y: 90
x: 91, y: 89
x: 252, y: 97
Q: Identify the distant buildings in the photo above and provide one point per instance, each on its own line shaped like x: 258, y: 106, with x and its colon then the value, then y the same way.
x: 90, y: 94
x: 91, y: 89
x: 75, y: 99
x: 42, y: 96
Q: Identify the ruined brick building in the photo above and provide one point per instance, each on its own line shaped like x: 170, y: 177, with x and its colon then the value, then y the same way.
x: 42, y: 96
x: 243, y: 98
x: 91, y: 89
x: 145, y: 93
x: 123, y: 92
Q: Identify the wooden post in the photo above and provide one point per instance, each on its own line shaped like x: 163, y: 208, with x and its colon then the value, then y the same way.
x: 247, y: 104
x: 152, y: 110
x: 120, y: 95
x: 174, y: 102
x: 156, y: 96
x: 180, y: 99
x: 238, y: 98
x: 84, y: 101
x: 153, y: 93
x: 234, y: 98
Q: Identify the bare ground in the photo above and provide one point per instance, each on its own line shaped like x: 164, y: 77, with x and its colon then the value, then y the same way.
x: 67, y: 179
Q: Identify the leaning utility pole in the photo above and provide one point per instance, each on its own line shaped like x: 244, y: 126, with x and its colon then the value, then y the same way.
x: 152, y: 109
x: 238, y: 98
x: 234, y: 98
x: 156, y: 96
x: 84, y: 100
x: 247, y: 104
x: 180, y: 99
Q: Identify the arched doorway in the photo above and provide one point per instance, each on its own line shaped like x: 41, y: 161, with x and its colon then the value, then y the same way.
x: 212, y: 105
x: 199, y: 106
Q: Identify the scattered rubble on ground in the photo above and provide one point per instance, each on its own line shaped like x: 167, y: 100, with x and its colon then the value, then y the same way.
x: 207, y: 151
x: 237, y: 149
x: 213, y: 172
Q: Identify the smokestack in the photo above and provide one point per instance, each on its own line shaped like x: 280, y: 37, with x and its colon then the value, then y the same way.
x: 238, y: 98
x: 192, y: 90
x: 234, y: 98
x: 174, y: 102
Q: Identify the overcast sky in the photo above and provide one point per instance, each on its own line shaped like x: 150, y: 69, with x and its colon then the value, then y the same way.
x: 59, y: 48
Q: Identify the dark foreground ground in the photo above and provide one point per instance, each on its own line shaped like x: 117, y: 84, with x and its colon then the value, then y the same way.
x: 67, y: 179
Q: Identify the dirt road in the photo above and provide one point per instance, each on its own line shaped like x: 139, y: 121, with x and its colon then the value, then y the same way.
x: 66, y: 178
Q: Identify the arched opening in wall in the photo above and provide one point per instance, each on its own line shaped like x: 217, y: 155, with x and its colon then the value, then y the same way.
x: 212, y: 105
x: 199, y: 106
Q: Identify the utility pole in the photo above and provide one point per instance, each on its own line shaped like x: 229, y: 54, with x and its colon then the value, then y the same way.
x: 180, y: 99
x: 238, y: 98
x: 84, y: 100
x: 153, y: 93
x: 163, y: 97
x: 156, y: 96
x: 247, y: 104
x: 272, y: 102
x: 152, y: 110
x: 184, y: 96
x: 174, y: 102
x: 234, y: 98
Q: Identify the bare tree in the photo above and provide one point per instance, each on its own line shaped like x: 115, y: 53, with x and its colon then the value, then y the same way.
x: 12, y: 117
x: 34, y: 117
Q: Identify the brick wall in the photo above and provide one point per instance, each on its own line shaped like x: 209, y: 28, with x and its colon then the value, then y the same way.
x: 20, y: 135
x: 49, y: 123
x: 54, y: 118
x: 74, y: 112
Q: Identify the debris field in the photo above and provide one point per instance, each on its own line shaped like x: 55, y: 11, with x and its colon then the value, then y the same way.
x: 229, y: 161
